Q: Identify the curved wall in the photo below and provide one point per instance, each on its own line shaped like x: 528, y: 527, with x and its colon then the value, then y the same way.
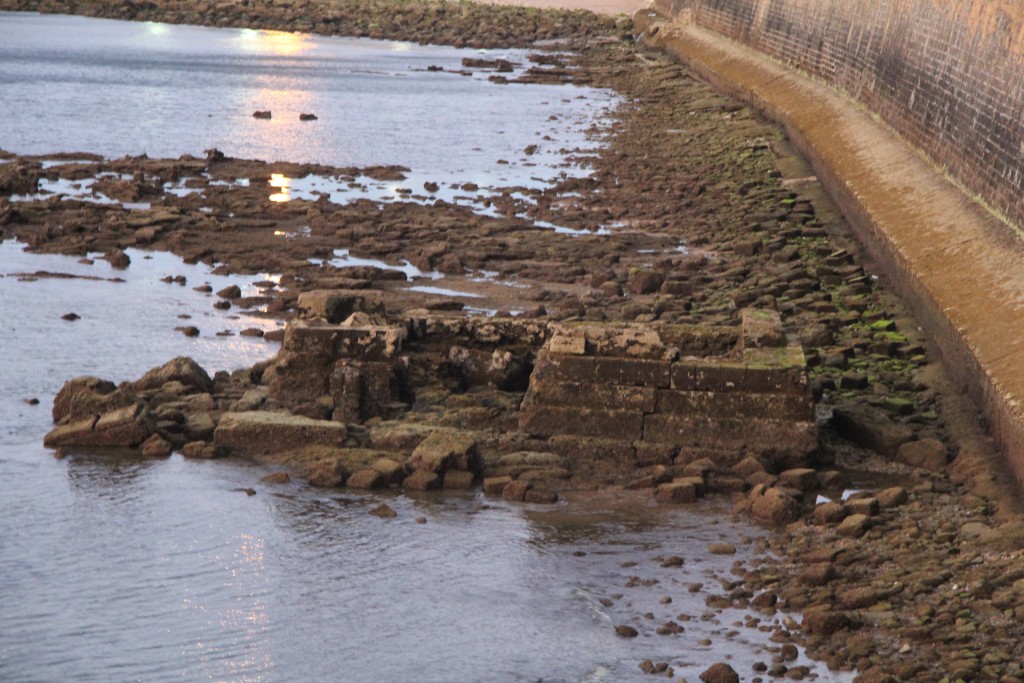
x: 948, y: 75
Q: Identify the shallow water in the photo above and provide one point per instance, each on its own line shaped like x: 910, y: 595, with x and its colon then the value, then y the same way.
x: 117, y: 88
x: 115, y: 567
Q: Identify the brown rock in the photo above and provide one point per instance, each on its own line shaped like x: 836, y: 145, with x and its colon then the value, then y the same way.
x: 496, y: 485
x: 863, y: 506
x: 444, y: 450
x: 458, y: 479
x: 825, y: 622
x: 327, y: 474
x: 182, y: 369
x: 156, y: 447
x: 392, y: 470
x: 200, y: 450
x: 541, y: 497
x: 625, y: 631
x: 854, y: 526
x: 720, y: 673
x: 871, y: 427
x: 774, y: 506
x: 366, y: 479
x: 421, y: 480
x: 818, y: 574
x: 677, y: 492
x: 86, y: 396
x: 645, y: 281
x: 118, y: 259
x: 927, y: 454
x: 829, y: 513
x: 264, y: 433
x: 516, y: 490
x: 230, y: 292
x: 801, y: 478
x: 384, y: 511
x: 276, y: 478
x: 892, y: 497
x: 126, y: 427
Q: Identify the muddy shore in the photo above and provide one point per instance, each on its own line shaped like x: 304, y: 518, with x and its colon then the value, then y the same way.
x: 917, y: 577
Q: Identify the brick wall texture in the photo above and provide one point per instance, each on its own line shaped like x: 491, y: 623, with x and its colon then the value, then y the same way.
x: 948, y: 75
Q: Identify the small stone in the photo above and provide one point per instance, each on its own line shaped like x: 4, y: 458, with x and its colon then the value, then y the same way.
x: 384, y: 511
x: 189, y: 331
x: 720, y: 673
x: 71, y: 317
x: 495, y: 485
x: 230, y: 292
x: 854, y: 526
x: 625, y: 631
x: 156, y: 447
x: 422, y: 481
x: 276, y: 478
x: 516, y: 491
x: 721, y: 549
x: 927, y: 454
x: 366, y: 479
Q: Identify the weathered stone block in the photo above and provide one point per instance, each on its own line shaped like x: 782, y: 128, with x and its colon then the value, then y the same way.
x: 500, y: 368
x: 516, y: 491
x: 444, y: 450
x: 724, y: 405
x: 495, y: 485
x: 366, y: 479
x: 263, y: 433
x: 761, y: 328
x: 591, y: 395
x: 458, y: 479
x: 677, y: 492
x: 422, y: 480
x: 612, y: 424
x: 125, y: 427
x: 181, y: 369
x: 785, y: 444
x: 336, y: 305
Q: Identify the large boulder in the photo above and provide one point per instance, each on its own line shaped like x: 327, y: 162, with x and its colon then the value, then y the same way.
x: 87, y: 396
x: 263, y: 433
x: 182, y: 369
x: 126, y: 427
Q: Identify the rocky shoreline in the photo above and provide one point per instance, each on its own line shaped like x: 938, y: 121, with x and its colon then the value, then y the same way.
x: 916, y: 575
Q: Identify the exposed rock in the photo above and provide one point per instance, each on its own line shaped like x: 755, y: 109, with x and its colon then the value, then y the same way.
x: 870, y: 427
x: 928, y: 454
x: 825, y: 622
x: 156, y: 447
x: 444, y: 450
x: 86, y: 396
x: 458, y: 479
x: 422, y: 480
x: 773, y: 506
x: 276, y: 478
x: 366, y: 479
x: 117, y: 259
x: 720, y: 673
x: 182, y: 369
x: 854, y: 526
x: 263, y: 433
x: 516, y: 491
x: 126, y: 427
x: 624, y: 631
x: 384, y: 511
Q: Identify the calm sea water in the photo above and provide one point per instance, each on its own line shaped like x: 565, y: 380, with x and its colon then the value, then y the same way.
x: 118, y: 568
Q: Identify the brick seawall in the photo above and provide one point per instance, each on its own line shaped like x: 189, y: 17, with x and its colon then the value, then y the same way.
x: 959, y: 267
x: 948, y: 75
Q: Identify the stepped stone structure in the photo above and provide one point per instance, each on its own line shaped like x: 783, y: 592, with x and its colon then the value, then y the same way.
x: 731, y: 392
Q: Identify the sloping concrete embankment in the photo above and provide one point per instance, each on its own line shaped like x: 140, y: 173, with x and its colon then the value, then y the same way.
x: 960, y: 268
